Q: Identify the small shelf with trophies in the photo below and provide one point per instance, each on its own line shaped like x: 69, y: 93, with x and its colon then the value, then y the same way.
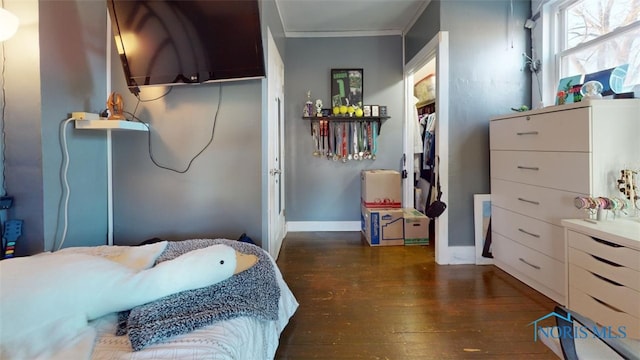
x: 348, y: 130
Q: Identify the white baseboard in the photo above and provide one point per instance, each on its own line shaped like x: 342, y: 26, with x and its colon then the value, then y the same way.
x: 462, y: 255
x: 306, y: 226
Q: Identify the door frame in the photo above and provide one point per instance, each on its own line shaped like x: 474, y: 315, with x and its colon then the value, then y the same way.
x: 438, y: 48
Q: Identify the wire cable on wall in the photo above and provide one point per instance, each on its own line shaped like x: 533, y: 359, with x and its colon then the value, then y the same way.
x: 213, y: 128
x: 2, y: 123
x: 66, y: 191
x: 149, y: 100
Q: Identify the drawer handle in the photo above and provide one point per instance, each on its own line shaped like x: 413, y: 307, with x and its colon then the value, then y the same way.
x: 608, y: 262
x: 607, y: 305
x: 528, y: 168
x: 606, y: 280
x: 530, y: 264
x: 605, y: 242
x: 528, y: 233
x: 527, y: 133
x: 529, y: 201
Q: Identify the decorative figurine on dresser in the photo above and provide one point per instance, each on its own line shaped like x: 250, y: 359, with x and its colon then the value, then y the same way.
x: 541, y: 161
x: 627, y: 184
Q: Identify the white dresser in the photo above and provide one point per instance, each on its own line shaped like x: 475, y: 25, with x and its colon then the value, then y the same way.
x: 604, y: 273
x: 540, y: 161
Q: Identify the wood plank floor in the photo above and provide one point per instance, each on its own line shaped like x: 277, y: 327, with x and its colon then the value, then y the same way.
x: 395, y: 302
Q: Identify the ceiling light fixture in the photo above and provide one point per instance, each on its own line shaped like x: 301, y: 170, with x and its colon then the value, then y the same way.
x: 8, y: 24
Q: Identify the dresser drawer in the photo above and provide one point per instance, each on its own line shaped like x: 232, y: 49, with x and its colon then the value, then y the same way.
x: 542, y: 203
x: 565, y: 130
x: 604, y: 315
x: 609, y: 270
x: 544, y: 269
x: 617, y: 254
x: 605, y: 290
x: 559, y: 170
x: 533, y: 233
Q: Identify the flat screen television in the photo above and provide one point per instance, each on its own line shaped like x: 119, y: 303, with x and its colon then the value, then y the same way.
x: 163, y: 42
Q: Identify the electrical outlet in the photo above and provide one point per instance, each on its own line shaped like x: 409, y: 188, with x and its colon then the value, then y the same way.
x: 6, y: 202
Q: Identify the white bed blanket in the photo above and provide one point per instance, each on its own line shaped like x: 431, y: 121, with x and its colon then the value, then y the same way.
x: 239, y: 338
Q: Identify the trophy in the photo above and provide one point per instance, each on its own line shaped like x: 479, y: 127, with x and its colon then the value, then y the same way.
x: 308, y: 106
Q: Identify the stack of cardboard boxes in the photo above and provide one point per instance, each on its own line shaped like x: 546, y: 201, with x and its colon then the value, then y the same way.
x: 384, y: 221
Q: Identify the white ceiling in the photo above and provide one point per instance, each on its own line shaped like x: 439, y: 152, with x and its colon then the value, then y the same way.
x: 322, y: 18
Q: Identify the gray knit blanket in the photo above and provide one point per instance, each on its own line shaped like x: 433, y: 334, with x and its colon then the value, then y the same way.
x: 253, y: 292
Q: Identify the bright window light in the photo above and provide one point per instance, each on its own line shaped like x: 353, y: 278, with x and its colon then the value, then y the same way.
x: 8, y: 24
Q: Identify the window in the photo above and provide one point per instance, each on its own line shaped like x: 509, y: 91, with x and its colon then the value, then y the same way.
x: 594, y: 35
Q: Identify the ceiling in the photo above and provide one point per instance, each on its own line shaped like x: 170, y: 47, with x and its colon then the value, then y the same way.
x: 325, y: 18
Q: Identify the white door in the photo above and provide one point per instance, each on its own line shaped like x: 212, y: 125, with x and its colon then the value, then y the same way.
x: 275, y: 128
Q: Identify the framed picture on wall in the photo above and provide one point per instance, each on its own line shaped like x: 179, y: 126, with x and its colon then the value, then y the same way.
x: 346, y: 87
x: 482, y: 225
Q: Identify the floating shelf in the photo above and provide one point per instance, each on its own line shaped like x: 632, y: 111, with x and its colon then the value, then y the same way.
x: 379, y: 119
x: 119, y: 125
x: 346, y: 118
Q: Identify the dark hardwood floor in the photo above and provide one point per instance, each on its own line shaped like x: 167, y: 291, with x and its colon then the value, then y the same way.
x: 395, y: 302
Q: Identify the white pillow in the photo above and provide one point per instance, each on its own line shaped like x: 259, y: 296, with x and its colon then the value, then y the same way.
x: 46, y: 301
x: 134, y: 257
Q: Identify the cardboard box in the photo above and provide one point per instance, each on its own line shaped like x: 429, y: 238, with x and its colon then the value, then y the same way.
x: 381, y: 189
x: 416, y: 227
x: 383, y: 227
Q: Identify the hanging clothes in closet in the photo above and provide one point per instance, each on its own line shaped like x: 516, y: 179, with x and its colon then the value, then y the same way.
x: 425, y: 159
x: 429, y: 141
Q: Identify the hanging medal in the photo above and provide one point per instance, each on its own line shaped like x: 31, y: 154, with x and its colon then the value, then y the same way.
x: 374, y: 138
x: 350, y: 141
x: 356, y: 155
x: 324, y: 137
x: 315, y: 134
x: 345, y: 143
x: 370, y: 139
x: 338, y: 142
x: 365, y: 137
x: 330, y: 142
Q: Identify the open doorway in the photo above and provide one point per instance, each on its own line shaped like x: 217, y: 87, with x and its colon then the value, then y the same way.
x: 432, y: 59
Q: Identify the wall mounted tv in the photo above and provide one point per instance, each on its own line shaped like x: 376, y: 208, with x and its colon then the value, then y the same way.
x: 187, y: 42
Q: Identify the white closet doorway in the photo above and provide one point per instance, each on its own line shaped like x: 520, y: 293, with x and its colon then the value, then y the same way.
x: 436, y: 54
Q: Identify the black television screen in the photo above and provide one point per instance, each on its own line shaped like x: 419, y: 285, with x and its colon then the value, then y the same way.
x: 172, y: 42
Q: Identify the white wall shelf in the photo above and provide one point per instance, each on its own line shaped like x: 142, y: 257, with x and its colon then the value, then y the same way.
x: 110, y: 125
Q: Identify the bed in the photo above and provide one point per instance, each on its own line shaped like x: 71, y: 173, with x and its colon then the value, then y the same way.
x: 238, y: 318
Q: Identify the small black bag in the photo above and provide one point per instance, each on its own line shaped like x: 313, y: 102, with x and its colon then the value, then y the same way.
x: 437, y: 207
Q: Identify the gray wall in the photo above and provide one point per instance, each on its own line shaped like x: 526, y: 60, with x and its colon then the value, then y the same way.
x: 486, y: 80
x: 73, y: 78
x: 322, y: 190
x: 22, y: 113
x: 52, y: 70
x: 221, y: 194
x: 56, y: 67
x: 423, y: 30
